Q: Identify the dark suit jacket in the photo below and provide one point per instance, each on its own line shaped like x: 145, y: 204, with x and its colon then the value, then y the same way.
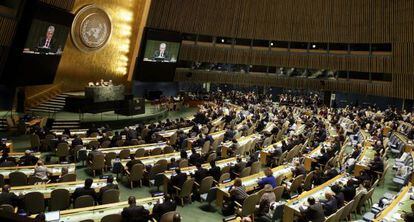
x: 195, y: 158
x: 28, y: 160
x: 349, y: 192
x: 80, y: 191
x: 330, y: 206
x: 314, y: 213
x: 340, y: 199
x: 161, y: 209
x: 77, y: 141
x: 9, y: 198
x: 200, y: 174
x: 178, y: 180
x: 215, y: 173
x: 300, y: 170
x: 157, y: 55
x: 105, y: 188
x: 135, y: 214
x: 52, y: 44
x: 131, y: 163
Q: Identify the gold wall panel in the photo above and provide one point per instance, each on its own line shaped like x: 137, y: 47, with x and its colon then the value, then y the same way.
x: 113, y: 61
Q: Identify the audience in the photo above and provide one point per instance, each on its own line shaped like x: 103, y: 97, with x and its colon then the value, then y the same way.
x: 314, y: 212
x: 269, y: 179
x: 85, y: 190
x: 134, y: 212
x: 165, y: 206
x: 109, y: 186
x: 6, y: 197
x: 41, y: 171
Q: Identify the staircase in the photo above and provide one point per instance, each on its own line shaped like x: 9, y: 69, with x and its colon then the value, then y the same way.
x: 60, y: 125
x: 3, y: 125
x: 52, y: 105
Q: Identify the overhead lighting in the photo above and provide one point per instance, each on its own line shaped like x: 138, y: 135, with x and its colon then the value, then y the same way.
x: 313, y: 46
x: 271, y: 44
x: 222, y: 40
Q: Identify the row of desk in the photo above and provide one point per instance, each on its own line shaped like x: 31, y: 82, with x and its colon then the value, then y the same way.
x: 292, y: 206
x: 46, y: 189
x: 401, y: 204
x: 251, y: 182
x: 96, y: 213
x: 53, y: 169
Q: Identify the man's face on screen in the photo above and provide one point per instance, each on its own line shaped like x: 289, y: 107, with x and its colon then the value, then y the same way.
x: 49, y: 34
x: 163, y: 47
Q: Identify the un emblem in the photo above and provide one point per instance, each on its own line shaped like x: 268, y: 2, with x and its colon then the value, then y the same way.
x: 91, y: 28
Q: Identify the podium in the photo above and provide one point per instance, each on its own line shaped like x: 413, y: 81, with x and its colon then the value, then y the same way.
x: 131, y: 107
x: 105, y: 93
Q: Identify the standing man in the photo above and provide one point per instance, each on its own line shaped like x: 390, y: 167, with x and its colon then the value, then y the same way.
x: 48, y: 42
x: 162, y: 53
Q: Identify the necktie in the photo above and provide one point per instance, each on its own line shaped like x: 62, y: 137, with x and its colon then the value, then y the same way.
x: 47, y: 43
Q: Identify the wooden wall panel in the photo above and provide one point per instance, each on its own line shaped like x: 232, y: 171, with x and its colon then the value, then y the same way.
x: 327, y: 21
x: 64, y: 4
x: 294, y: 20
x: 7, y: 30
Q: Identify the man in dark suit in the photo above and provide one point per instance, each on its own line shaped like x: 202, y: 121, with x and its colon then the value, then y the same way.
x: 176, y: 180
x: 238, y: 167
x: 299, y: 169
x: 109, y: 186
x: 48, y: 42
x: 132, y: 162
x: 349, y: 191
x: 323, y: 158
x: 200, y: 173
x: 173, y: 164
x: 162, y: 53
x: 134, y: 213
x: 195, y: 157
x: 161, y: 208
x: 314, y: 212
x: 339, y: 196
x: 330, y: 205
x: 77, y: 141
x: 214, y: 171
x: 86, y: 190
x: 8, y: 198
x: 199, y: 142
x: 28, y: 159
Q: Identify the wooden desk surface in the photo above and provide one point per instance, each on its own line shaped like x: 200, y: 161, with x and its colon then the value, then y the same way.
x: 151, y: 160
x: 17, y: 155
x: 250, y: 182
x: 305, y: 195
x: 47, y: 189
x: 54, y: 169
x: 292, y: 206
x: 401, y: 203
x: 133, y: 148
x: 96, y: 213
x: 192, y: 169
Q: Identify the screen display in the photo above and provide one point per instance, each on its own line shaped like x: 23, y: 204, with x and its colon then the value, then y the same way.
x: 161, y: 51
x: 158, y: 56
x: 37, y: 47
x: 46, y: 38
